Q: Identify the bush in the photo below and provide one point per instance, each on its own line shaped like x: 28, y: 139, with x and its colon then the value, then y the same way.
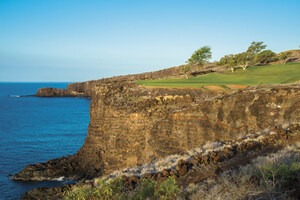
x: 167, y: 189
x: 154, y: 190
x: 104, y: 190
x: 280, y: 172
x: 147, y: 189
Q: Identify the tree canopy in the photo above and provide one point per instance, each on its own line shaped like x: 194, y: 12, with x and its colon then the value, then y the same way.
x: 200, y: 56
x: 253, y: 55
x: 265, y: 56
x: 256, y: 47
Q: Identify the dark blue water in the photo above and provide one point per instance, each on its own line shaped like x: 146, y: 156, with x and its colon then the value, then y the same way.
x: 34, y: 129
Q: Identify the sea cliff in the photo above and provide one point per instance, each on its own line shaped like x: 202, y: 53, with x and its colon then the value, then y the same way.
x: 131, y: 125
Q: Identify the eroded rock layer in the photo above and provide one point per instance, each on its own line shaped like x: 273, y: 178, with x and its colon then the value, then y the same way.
x: 132, y: 125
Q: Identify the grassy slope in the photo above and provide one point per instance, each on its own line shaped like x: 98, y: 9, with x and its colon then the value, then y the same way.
x: 269, y: 74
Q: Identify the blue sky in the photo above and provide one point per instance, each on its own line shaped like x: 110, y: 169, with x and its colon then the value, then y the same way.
x: 77, y: 40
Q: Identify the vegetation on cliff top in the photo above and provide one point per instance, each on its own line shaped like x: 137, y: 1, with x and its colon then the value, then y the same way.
x: 254, y: 55
x: 255, y: 75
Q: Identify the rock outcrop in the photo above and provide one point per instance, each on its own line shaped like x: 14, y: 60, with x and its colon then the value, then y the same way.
x: 54, y: 92
x: 131, y: 125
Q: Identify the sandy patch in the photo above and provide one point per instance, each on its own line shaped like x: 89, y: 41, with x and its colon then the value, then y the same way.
x: 236, y: 86
x: 213, y: 87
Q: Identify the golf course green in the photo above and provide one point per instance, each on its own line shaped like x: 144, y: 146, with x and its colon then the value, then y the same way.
x: 254, y: 75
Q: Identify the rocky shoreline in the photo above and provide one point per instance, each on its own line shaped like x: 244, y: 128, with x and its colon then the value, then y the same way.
x: 194, y: 167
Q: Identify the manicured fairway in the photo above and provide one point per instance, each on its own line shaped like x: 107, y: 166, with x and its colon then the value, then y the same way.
x: 255, y: 75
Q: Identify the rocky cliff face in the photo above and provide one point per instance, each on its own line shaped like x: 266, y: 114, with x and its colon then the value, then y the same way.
x: 131, y: 125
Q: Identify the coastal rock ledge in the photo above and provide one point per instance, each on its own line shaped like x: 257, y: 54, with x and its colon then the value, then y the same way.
x: 131, y: 125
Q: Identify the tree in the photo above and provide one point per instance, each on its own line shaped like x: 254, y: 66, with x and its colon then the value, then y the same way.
x: 250, y: 55
x: 243, y: 60
x: 200, y: 57
x: 185, y: 70
x: 232, y: 62
x: 264, y: 56
x: 256, y: 47
x: 285, y: 56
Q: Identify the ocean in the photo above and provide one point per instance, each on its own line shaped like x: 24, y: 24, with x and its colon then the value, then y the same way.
x: 37, y: 129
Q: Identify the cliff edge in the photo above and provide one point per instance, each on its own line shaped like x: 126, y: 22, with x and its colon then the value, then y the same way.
x: 132, y: 125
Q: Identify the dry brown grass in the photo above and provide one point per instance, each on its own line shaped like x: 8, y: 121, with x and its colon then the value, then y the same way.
x: 250, y: 181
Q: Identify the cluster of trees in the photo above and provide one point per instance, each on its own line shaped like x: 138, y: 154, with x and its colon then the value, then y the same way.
x: 255, y: 54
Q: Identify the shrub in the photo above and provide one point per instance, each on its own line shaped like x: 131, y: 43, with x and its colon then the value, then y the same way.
x: 167, y: 189
x: 147, y: 189
x: 280, y: 172
x: 103, y: 190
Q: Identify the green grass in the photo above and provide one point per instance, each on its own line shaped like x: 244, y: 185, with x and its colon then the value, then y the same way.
x: 254, y: 75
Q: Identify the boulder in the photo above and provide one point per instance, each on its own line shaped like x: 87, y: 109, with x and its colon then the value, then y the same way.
x: 165, y: 173
x: 147, y: 176
x: 194, y: 161
x: 219, y: 158
x: 174, y: 172
x: 252, y: 145
x: 206, y: 159
x: 228, y: 153
x: 183, y: 170
x: 241, y: 147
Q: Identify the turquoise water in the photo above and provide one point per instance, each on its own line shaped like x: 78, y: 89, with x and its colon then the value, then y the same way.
x: 35, y: 129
